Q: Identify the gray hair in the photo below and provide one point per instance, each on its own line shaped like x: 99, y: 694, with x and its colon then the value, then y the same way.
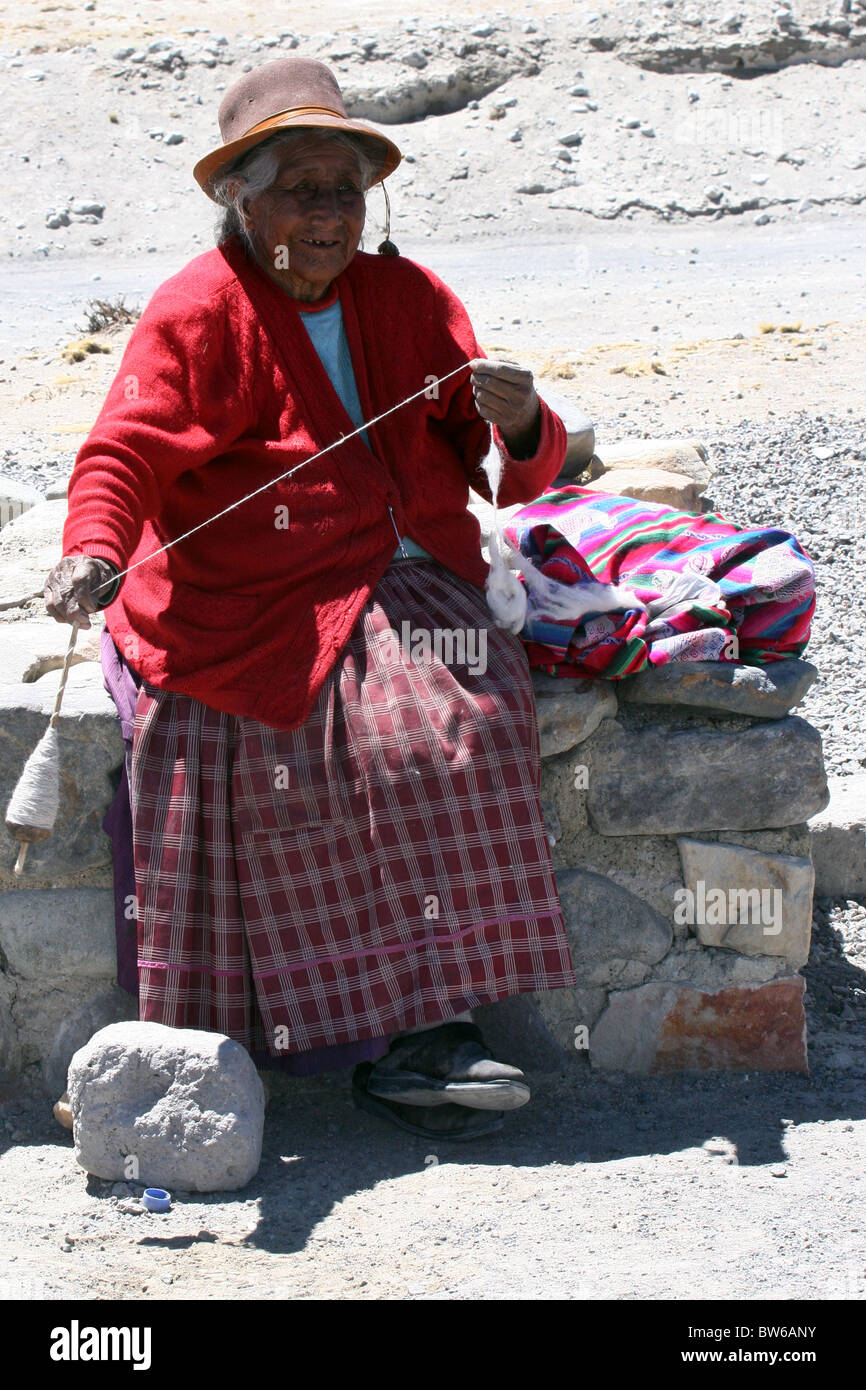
x: 255, y: 171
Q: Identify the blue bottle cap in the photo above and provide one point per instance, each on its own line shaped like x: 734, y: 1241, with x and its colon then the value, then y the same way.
x: 156, y: 1199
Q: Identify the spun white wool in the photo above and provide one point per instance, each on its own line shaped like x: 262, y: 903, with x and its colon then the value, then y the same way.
x: 36, y: 798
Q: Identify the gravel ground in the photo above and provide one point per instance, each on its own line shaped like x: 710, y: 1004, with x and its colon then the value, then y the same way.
x: 806, y: 474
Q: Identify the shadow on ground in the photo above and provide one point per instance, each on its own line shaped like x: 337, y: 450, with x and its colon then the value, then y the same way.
x: 319, y: 1149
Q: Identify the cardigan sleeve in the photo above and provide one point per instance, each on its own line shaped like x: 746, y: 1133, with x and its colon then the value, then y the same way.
x: 180, y: 398
x: 522, y: 479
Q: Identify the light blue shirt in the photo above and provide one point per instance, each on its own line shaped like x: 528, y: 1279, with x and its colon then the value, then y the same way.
x: 328, y: 336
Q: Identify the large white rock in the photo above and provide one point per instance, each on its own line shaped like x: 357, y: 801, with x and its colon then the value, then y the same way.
x: 187, y: 1106
x: 839, y: 839
x: 688, y: 456
x: 657, y: 485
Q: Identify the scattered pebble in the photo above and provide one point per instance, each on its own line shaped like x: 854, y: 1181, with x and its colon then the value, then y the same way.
x: 771, y: 474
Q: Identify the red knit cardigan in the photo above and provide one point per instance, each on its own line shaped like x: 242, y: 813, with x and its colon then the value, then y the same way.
x: 220, y: 390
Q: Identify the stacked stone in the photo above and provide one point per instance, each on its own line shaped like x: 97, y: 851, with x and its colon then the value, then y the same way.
x: 57, y: 951
x: 671, y: 472
x: 694, y: 773
x: 57, y: 948
x: 679, y: 794
x: 677, y: 803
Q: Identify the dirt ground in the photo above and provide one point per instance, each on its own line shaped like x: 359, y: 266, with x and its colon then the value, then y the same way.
x: 697, y: 1186
x: 672, y: 331
x: 707, y: 1187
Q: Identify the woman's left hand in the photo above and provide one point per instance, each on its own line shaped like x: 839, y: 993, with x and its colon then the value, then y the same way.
x: 505, y: 396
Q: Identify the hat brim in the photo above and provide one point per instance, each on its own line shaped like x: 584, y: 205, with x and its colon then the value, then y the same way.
x: 206, y: 170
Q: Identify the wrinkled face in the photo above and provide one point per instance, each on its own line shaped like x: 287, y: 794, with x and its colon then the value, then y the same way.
x: 307, y: 226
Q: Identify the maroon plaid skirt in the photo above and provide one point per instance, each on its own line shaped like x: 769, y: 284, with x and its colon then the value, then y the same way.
x: 381, y: 866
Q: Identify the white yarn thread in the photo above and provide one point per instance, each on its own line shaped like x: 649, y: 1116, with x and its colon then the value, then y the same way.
x: 36, y: 798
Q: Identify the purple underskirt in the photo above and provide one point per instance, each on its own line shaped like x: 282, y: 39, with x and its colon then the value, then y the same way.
x: 122, y: 684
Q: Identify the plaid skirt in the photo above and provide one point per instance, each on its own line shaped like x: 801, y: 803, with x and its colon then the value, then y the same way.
x: 381, y: 866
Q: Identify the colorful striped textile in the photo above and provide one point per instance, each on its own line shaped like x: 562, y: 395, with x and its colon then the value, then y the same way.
x: 576, y: 535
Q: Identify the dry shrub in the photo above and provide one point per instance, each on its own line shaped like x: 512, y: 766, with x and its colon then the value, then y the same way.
x: 109, y: 315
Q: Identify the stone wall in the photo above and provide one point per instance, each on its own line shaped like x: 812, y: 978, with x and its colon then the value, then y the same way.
x: 669, y: 797
x: 642, y: 800
x: 57, y: 954
x: 692, y: 777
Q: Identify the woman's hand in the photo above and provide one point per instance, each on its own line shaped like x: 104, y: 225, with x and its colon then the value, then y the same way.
x: 70, y: 589
x: 505, y: 396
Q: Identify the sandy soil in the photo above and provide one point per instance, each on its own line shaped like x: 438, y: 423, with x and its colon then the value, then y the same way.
x: 684, y: 1187
x: 674, y: 331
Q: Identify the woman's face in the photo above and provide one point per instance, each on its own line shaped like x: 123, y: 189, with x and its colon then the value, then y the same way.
x: 307, y: 226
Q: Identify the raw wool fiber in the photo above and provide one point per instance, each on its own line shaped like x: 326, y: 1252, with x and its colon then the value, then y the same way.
x: 513, y: 605
x: 506, y: 596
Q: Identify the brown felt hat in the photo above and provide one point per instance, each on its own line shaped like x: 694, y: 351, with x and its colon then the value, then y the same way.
x: 280, y: 96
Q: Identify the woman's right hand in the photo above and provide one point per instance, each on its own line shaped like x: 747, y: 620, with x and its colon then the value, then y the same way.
x: 71, y: 585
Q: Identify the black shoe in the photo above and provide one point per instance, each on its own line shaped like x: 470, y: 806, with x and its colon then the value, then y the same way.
x: 448, y: 1065
x: 453, y: 1122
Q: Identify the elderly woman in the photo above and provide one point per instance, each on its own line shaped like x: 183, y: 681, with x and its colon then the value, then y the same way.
x: 338, y: 843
